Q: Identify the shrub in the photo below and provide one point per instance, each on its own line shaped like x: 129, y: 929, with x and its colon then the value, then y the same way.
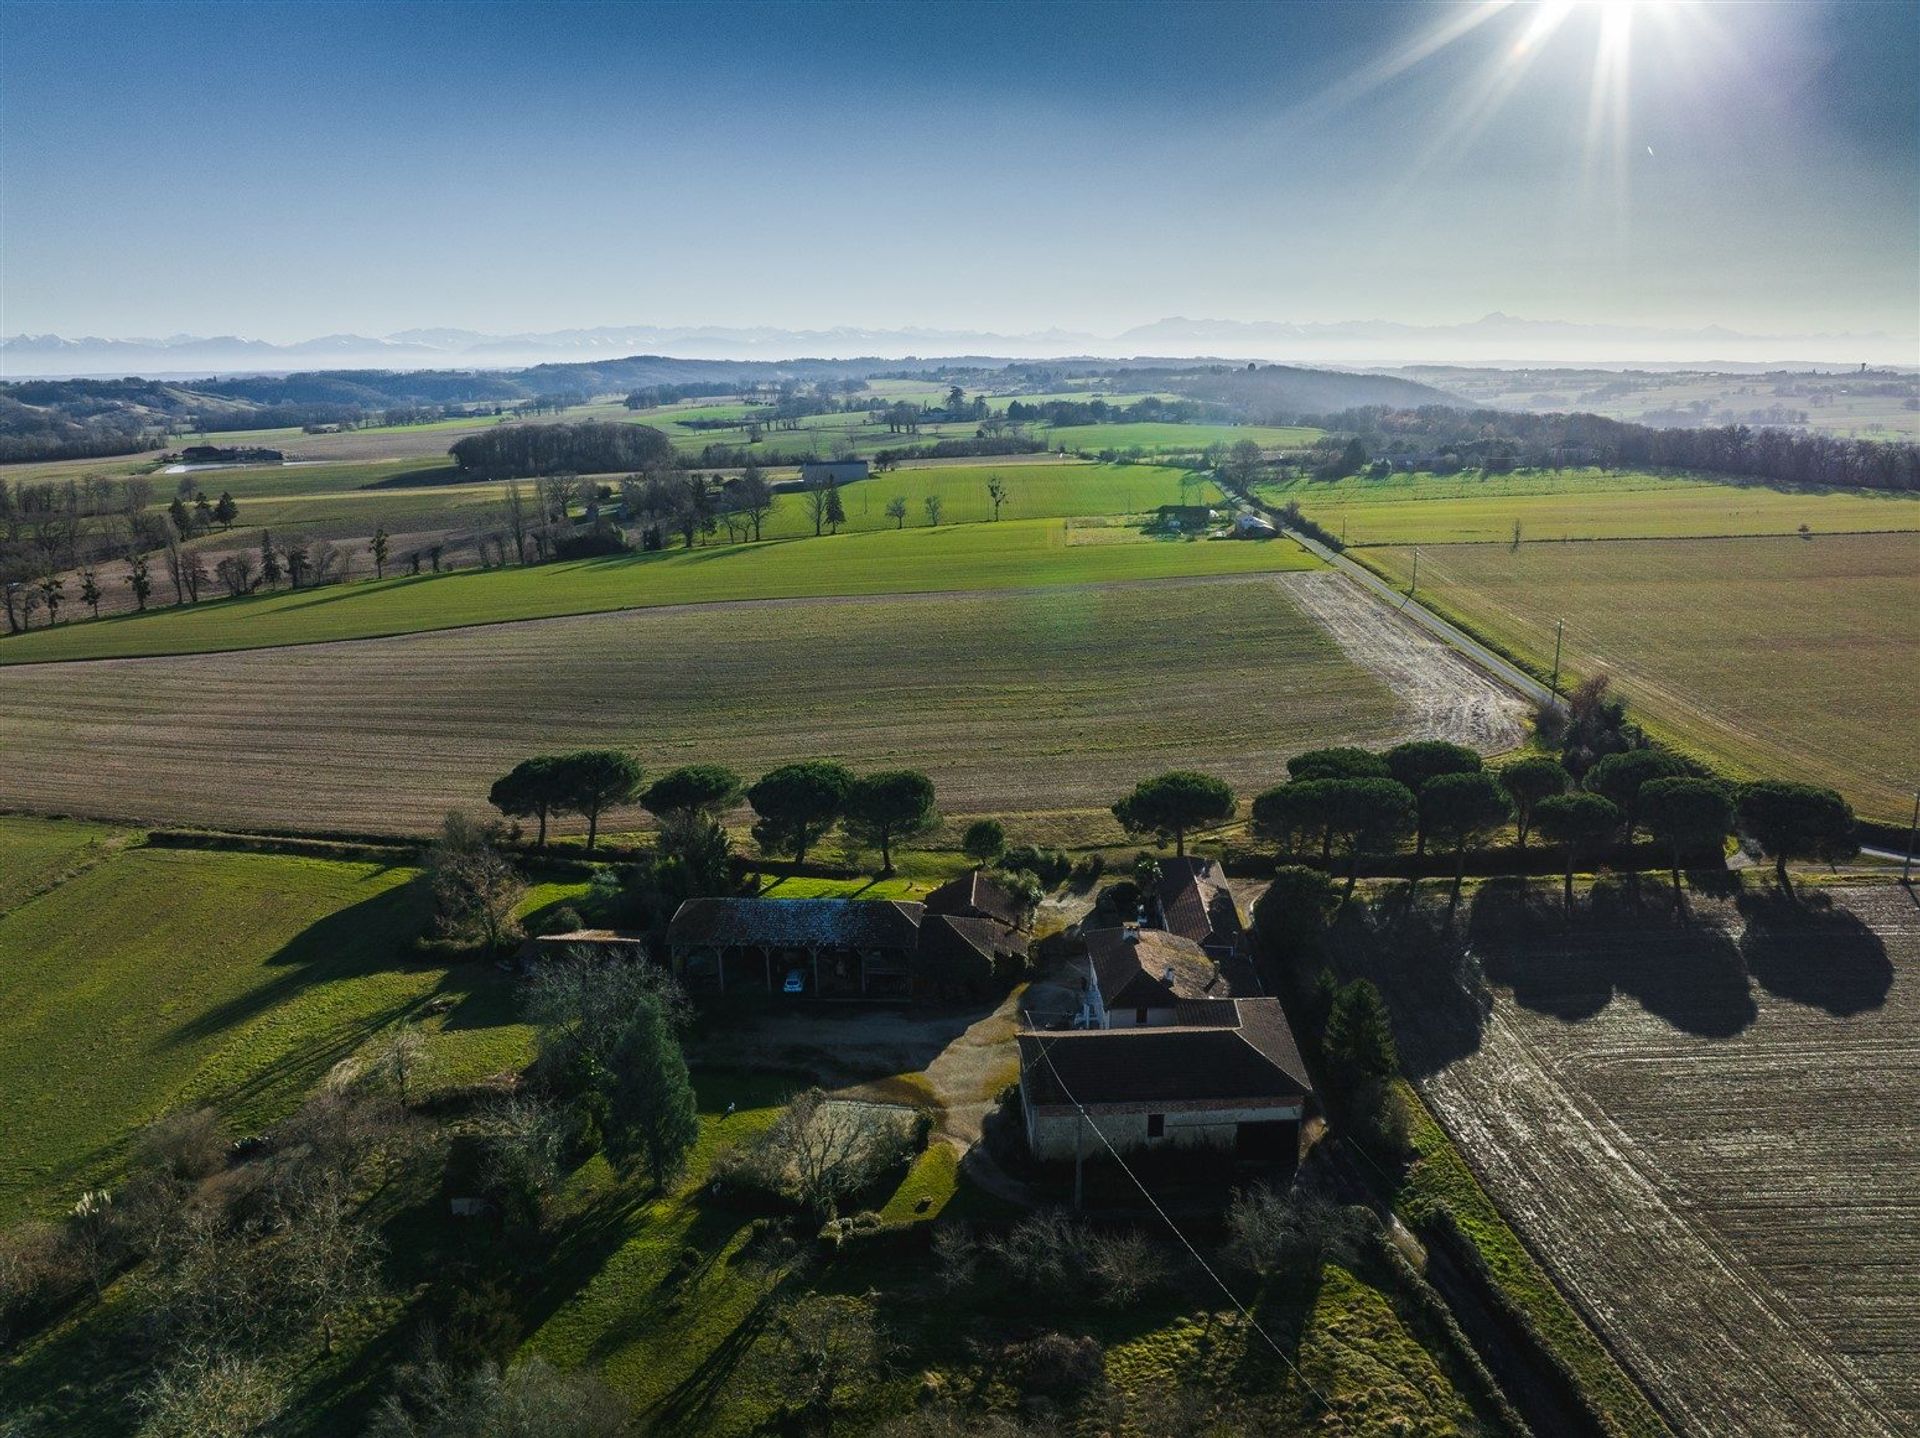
x: 1050, y: 866
x: 563, y: 920
x: 1058, y: 1366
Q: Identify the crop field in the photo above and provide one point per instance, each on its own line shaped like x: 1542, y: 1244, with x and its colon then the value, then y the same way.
x: 1021, y: 703
x: 1580, y: 504
x: 1784, y: 657
x: 1738, y: 1092
x: 1013, y: 554
x: 159, y: 977
x: 1035, y: 491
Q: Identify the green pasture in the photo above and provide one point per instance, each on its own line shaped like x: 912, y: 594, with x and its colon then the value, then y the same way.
x: 162, y: 977
x: 1581, y: 504
x: 1012, y: 554
x: 1035, y: 491
x: 1176, y: 437
x: 35, y: 852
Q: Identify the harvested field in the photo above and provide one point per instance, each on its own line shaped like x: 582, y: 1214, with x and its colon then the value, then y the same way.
x: 1783, y: 657
x: 1737, y: 1095
x: 1448, y: 697
x: 1020, y: 703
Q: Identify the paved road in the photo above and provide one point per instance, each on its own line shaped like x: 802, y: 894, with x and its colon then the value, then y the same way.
x: 1514, y: 678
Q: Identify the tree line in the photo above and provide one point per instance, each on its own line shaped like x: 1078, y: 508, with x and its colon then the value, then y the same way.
x: 795, y: 805
x: 1350, y: 805
x: 1506, y: 439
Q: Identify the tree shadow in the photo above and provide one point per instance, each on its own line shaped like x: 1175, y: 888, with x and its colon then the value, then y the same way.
x: 1520, y: 933
x: 1687, y: 971
x: 350, y: 943
x: 1436, y: 990
x: 1625, y: 939
x: 1814, y: 952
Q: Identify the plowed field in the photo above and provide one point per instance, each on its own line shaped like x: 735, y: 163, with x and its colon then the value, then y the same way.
x: 1709, y: 1131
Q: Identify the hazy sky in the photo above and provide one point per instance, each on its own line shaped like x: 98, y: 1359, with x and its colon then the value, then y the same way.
x: 286, y: 171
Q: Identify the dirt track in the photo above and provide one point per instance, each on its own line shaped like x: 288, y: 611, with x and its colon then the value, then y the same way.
x: 1709, y: 1133
x: 1444, y: 695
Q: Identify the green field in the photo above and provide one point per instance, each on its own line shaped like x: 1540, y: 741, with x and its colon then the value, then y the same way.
x: 1012, y: 554
x: 35, y: 853
x: 1782, y: 657
x: 1023, y: 703
x: 164, y: 977
x: 1580, y: 504
x: 1182, y: 438
x: 1035, y: 491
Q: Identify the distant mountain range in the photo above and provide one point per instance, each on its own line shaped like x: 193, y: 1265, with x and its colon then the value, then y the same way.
x: 1494, y: 339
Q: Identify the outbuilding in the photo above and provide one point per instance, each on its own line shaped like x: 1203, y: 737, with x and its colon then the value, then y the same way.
x: 1225, y: 1075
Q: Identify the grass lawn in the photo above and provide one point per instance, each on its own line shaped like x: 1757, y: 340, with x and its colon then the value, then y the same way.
x: 1580, y: 504
x: 1777, y: 657
x: 1012, y: 554
x: 162, y: 977
x: 1035, y: 491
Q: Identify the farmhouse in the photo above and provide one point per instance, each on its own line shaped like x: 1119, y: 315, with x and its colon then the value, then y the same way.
x: 977, y: 895
x: 838, y: 471
x: 1138, y: 977
x: 1192, y: 900
x: 836, y: 948
x: 1224, y: 1074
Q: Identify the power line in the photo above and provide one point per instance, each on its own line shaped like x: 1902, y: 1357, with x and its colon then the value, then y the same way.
x: 1046, y: 1053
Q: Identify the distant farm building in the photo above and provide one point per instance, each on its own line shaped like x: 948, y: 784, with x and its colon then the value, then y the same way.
x: 838, y: 471
x: 1224, y: 1075
x: 1248, y: 525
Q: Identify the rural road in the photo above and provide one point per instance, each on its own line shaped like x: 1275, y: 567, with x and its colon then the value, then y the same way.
x: 1505, y: 672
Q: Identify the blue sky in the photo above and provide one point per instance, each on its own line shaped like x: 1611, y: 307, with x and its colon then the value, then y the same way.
x: 285, y: 171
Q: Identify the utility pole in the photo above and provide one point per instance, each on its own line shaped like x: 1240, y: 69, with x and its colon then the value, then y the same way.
x: 1414, y: 587
x: 1913, y: 831
x: 1559, y: 632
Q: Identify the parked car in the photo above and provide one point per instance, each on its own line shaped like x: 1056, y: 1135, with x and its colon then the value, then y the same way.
x: 796, y: 982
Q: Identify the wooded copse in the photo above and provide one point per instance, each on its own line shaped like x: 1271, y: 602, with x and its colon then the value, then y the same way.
x: 588, y: 447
